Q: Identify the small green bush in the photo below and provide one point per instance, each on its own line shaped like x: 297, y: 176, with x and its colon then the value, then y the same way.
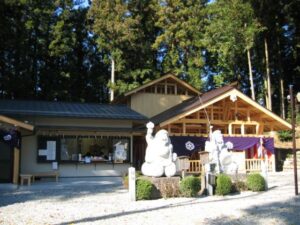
x: 190, y: 186
x: 256, y: 182
x: 143, y: 189
x: 285, y: 135
x: 125, y: 178
x: 224, y: 185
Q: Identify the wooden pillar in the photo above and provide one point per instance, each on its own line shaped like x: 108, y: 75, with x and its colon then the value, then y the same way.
x: 184, y: 128
x: 230, y: 129
x: 16, y: 166
x: 242, y: 129
x: 235, y: 110
x: 248, y: 115
x: 166, y: 87
x: 257, y: 129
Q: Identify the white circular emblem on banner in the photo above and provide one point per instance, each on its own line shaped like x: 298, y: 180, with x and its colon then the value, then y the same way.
x: 189, y: 146
x: 7, y: 137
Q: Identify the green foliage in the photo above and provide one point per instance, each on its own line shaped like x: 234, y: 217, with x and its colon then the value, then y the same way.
x: 256, y: 182
x: 230, y: 30
x: 143, y: 189
x: 51, y: 47
x: 180, y: 41
x: 125, y: 178
x: 285, y: 135
x: 190, y: 186
x: 224, y: 185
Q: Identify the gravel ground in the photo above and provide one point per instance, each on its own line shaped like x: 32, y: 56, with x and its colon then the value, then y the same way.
x: 104, y: 201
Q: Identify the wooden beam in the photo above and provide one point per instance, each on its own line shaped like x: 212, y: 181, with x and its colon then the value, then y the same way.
x: 168, y: 76
x: 16, y: 123
x: 262, y: 109
x: 221, y: 122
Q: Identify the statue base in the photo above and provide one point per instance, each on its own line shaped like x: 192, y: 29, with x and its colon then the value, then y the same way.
x: 165, y: 187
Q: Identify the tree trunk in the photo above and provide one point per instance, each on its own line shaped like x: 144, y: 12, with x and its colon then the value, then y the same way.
x: 112, y: 79
x: 268, y: 77
x: 281, y: 82
x: 250, y: 75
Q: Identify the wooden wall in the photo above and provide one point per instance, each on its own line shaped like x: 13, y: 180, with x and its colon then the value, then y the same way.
x: 150, y: 104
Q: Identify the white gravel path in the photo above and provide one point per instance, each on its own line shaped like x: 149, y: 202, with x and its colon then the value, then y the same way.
x: 104, y: 201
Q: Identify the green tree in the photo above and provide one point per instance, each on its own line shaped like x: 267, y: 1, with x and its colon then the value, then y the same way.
x: 230, y: 33
x: 180, y: 43
x: 116, y: 28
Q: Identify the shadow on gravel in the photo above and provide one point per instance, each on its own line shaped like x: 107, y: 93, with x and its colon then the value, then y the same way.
x: 63, y: 190
x: 287, y: 212
x: 181, y: 204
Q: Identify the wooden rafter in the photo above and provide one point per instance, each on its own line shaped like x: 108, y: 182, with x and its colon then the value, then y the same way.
x: 230, y: 111
x: 16, y: 123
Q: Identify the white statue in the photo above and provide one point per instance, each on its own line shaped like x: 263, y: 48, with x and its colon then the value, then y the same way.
x: 219, y: 155
x: 159, y: 158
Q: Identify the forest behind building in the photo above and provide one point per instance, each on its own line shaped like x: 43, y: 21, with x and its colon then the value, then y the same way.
x: 63, y: 50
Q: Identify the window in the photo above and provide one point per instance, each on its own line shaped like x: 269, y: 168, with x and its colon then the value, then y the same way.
x: 69, y: 149
x: 74, y: 149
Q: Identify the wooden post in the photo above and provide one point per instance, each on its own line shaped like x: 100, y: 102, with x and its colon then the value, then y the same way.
x: 230, y: 129
x: 243, y: 129
x: 131, y: 183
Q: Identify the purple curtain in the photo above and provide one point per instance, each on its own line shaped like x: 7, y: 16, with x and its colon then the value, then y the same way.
x: 186, y: 145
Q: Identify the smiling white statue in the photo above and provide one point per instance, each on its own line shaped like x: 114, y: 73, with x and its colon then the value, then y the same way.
x: 159, y: 158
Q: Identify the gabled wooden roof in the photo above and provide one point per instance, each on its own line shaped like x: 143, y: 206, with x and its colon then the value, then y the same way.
x: 202, y: 101
x: 167, y: 76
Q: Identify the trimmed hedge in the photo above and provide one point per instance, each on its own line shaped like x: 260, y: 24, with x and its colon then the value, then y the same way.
x: 224, y: 185
x: 190, y: 186
x: 143, y: 189
x: 256, y: 182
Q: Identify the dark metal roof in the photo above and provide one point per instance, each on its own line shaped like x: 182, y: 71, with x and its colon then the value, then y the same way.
x: 189, y: 104
x: 68, y: 109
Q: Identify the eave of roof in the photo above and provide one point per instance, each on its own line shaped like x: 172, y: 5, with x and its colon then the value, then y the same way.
x: 16, y: 123
x: 196, y: 103
x: 191, y: 88
x: 66, y: 109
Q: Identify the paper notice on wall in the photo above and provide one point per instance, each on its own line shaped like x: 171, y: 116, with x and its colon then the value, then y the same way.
x: 51, y: 150
x: 120, y: 153
x: 43, y: 152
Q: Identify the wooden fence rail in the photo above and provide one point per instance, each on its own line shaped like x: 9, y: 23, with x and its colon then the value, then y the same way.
x: 195, y: 166
x: 254, y: 165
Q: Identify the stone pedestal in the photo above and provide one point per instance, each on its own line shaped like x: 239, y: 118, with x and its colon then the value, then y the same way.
x: 165, y: 187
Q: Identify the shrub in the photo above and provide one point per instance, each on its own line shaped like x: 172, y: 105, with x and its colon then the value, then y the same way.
x: 125, y: 178
x: 285, y: 135
x: 143, y: 189
x: 190, y: 186
x: 224, y: 185
x: 256, y: 182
